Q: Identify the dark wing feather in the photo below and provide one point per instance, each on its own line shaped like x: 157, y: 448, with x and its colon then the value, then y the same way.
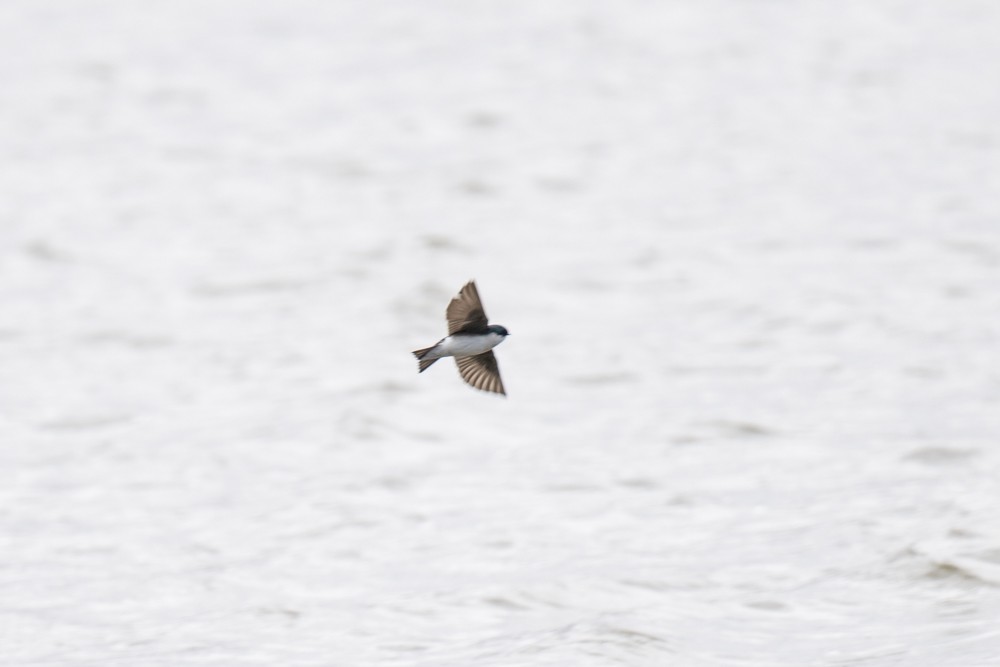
x: 465, y: 312
x: 482, y: 372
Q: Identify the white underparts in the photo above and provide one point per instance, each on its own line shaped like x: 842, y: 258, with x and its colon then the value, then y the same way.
x: 464, y: 346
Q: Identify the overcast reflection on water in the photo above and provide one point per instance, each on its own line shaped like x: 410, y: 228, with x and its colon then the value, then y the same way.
x: 749, y: 254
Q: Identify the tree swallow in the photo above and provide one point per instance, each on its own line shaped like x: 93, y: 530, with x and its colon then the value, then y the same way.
x: 470, y: 340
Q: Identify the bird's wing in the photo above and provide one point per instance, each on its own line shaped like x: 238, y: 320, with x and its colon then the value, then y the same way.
x: 482, y: 372
x: 465, y: 312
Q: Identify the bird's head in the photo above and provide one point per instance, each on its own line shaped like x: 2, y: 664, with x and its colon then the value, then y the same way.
x: 499, y: 330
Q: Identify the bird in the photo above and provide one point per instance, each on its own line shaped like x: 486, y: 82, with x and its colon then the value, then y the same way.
x: 471, y: 339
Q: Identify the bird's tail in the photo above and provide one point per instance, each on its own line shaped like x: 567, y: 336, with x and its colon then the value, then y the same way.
x: 424, y: 364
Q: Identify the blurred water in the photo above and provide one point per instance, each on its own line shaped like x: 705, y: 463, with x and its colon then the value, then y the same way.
x: 749, y: 254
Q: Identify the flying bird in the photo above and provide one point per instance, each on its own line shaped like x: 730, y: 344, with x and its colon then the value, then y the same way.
x: 470, y: 340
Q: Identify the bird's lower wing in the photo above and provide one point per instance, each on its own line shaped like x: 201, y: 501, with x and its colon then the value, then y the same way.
x: 482, y: 372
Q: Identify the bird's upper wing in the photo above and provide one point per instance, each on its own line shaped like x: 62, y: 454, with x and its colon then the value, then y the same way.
x: 465, y: 312
x: 482, y: 372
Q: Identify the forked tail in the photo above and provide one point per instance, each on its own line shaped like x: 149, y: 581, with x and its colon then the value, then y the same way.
x: 424, y: 364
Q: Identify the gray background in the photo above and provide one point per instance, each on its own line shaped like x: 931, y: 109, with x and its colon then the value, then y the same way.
x: 749, y: 253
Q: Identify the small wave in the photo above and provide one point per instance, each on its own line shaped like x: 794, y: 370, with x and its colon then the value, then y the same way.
x: 84, y: 423
x: 602, y: 378
x: 224, y: 290
x: 940, y: 455
x: 953, y: 572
